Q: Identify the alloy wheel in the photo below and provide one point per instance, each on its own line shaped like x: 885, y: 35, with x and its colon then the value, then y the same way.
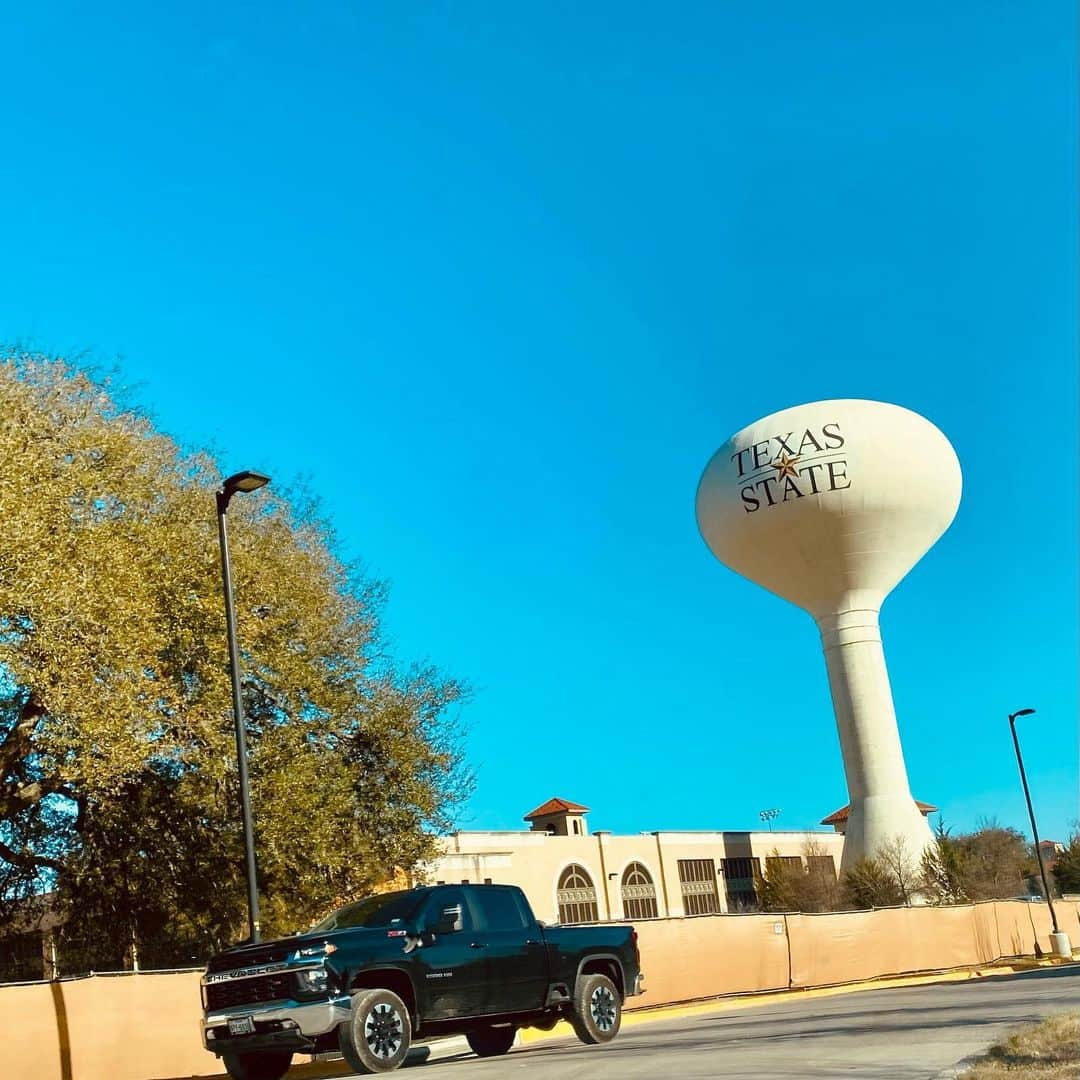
x: 382, y: 1031
x: 602, y: 1007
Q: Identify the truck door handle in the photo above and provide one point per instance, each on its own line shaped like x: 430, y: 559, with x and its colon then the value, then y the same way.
x: 478, y: 945
x: 531, y: 941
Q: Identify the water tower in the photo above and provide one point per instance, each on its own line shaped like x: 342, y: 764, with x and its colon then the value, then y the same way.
x: 829, y: 505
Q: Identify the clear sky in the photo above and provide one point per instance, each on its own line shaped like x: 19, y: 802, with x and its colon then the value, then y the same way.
x: 498, y: 278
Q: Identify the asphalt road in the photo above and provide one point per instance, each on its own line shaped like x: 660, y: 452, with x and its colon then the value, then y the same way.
x: 903, y: 1034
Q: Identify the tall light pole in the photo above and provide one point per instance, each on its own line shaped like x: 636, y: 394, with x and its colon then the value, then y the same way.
x: 1060, y: 940
x: 769, y: 815
x: 245, y: 482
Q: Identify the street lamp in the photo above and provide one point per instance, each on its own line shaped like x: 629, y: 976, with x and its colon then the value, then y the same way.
x: 1060, y: 940
x: 245, y: 482
x: 769, y: 816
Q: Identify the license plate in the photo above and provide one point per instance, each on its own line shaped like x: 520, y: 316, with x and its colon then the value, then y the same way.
x: 241, y: 1025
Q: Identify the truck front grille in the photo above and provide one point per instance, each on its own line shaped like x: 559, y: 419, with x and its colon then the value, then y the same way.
x: 230, y: 995
x: 249, y: 957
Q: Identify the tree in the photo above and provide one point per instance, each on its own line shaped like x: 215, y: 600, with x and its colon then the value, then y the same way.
x: 895, y: 857
x: 995, y: 862
x: 943, y: 869
x: 116, y: 728
x: 870, y: 883
x: 789, y: 884
x: 779, y: 888
x: 990, y: 863
x: 1066, y: 869
x: 822, y: 888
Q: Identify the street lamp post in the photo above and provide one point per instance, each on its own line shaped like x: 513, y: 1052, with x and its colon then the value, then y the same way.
x: 245, y: 482
x: 1060, y: 940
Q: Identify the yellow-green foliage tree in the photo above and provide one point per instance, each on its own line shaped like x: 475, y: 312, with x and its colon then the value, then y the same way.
x: 117, y: 752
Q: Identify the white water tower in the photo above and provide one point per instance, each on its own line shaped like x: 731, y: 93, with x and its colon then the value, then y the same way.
x: 829, y: 505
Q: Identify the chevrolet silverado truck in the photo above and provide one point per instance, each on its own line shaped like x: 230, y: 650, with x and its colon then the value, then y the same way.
x: 417, y: 964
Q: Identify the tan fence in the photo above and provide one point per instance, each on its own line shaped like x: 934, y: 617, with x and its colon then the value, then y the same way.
x: 146, y: 1027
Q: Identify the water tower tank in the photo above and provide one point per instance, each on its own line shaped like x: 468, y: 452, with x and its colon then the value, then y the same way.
x: 829, y: 505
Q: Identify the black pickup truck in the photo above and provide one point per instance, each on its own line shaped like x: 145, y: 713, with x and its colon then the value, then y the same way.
x: 421, y: 963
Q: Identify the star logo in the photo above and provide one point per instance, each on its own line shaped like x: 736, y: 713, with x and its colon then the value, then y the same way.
x: 785, y: 466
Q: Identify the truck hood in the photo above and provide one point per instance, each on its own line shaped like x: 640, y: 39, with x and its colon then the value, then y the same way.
x: 273, y: 952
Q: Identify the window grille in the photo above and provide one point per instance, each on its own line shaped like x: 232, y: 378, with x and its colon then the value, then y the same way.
x: 821, y: 866
x: 638, y: 893
x: 778, y: 863
x: 740, y: 882
x: 577, y: 896
x: 698, y: 880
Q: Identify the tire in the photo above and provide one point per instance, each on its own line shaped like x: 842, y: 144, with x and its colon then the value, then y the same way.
x: 378, y: 1033
x: 491, y: 1041
x: 258, y: 1065
x: 597, y: 1011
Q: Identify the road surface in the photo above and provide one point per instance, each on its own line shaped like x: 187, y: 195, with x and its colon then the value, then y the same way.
x: 913, y: 1033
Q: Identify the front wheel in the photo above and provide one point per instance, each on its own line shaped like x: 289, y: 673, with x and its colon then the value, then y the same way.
x: 491, y: 1041
x: 378, y: 1033
x: 597, y: 1011
x: 258, y: 1065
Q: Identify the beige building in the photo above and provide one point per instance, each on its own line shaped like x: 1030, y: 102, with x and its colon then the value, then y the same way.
x: 570, y: 875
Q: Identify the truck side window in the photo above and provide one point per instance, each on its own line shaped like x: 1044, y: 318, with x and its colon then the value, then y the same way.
x: 499, y: 909
x: 444, y: 899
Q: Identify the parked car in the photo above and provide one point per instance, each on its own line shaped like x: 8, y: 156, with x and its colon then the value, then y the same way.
x: 415, y: 964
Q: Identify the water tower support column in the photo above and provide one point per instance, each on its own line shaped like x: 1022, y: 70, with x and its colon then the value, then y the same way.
x: 882, y: 806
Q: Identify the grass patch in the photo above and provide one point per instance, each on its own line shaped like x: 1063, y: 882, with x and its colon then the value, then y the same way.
x: 1046, y: 1051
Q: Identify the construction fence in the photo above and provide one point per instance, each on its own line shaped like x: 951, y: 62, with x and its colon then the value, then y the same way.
x: 145, y: 1026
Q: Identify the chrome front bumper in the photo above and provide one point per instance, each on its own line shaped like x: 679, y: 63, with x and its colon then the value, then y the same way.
x: 300, y: 1020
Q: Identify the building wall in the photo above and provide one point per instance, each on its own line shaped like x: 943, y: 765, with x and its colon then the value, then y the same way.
x: 536, y: 860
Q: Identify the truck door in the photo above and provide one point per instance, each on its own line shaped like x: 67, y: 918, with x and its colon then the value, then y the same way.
x: 450, y: 972
x: 516, y: 963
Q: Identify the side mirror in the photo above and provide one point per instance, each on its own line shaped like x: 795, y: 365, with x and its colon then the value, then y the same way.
x: 449, y: 921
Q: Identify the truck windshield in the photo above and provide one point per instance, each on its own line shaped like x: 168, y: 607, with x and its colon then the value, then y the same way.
x: 372, y: 911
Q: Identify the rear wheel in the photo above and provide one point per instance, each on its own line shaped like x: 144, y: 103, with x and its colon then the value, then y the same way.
x: 597, y: 1011
x: 492, y: 1041
x: 378, y: 1033
x: 258, y: 1065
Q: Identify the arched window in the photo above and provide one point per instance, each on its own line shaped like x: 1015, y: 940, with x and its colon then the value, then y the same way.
x: 577, y: 896
x: 638, y: 893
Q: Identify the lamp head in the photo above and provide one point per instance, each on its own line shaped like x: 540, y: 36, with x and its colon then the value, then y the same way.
x: 241, y: 481
x: 1022, y: 712
x: 245, y: 481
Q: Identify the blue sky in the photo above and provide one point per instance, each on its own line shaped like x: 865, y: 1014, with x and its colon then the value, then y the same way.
x: 498, y: 279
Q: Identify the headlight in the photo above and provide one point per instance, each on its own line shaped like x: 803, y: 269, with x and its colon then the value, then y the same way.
x: 314, y: 980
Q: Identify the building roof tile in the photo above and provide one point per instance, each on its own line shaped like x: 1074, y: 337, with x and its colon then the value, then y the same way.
x: 838, y: 817
x: 557, y: 806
